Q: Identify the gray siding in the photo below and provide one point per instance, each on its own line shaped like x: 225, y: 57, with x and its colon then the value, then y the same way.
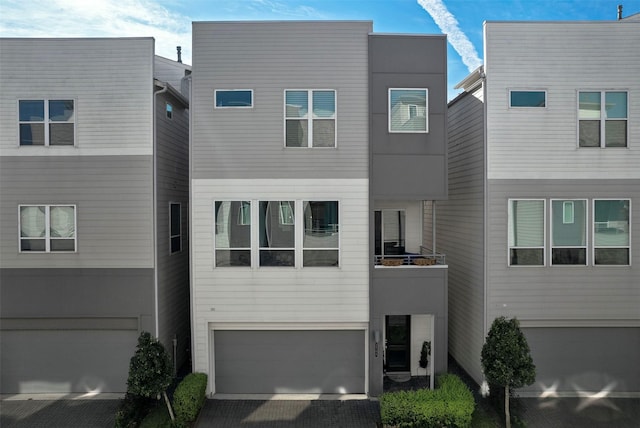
x: 561, y: 294
x: 530, y: 143
x: 113, y: 198
x: 584, y: 359
x: 460, y: 230
x: 170, y: 71
x: 82, y: 327
x: 408, y: 166
x: 109, y: 79
x: 270, y: 57
x: 172, y: 185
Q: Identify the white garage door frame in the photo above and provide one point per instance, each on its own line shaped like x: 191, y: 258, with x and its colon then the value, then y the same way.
x: 214, y: 326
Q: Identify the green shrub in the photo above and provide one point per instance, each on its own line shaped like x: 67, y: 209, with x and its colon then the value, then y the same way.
x: 450, y: 405
x: 132, y: 410
x: 158, y: 417
x: 189, y: 397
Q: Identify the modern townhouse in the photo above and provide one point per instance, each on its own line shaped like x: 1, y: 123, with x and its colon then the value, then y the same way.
x: 543, y: 214
x: 308, y: 140
x: 94, y: 203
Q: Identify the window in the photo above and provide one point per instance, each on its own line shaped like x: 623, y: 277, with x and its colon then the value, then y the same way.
x: 232, y: 233
x: 527, y: 99
x: 169, y: 111
x: 233, y: 98
x: 47, y: 228
x: 276, y: 237
x: 408, y: 110
x: 569, y: 232
x: 602, y: 118
x: 46, y: 122
x: 611, y: 233
x: 310, y: 118
x: 321, y: 240
x: 175, y: 228
x: 526, y: 232
x: 389, y: 233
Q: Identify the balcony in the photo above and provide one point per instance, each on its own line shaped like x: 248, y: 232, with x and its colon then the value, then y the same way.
x: 426, y: 258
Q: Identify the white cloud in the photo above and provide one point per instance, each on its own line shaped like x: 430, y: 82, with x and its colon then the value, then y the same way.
x: 98, y: 18
x: 456, y: 37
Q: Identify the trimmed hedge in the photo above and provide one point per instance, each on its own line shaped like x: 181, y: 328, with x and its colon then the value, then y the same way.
x: 450, y: 405
x: 189, y: 397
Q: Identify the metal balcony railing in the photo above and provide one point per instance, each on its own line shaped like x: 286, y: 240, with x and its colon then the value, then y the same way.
x: 425, y: 258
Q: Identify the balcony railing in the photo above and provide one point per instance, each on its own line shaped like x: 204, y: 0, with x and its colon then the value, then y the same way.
x: 426, y: 258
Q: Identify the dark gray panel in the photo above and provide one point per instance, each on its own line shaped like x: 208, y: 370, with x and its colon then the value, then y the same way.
x: 382, y: 142
x: 268, y: 362
x: 64, y: 361
x: 397, y: 177
x: 575, y: 360
x: 399, y: 53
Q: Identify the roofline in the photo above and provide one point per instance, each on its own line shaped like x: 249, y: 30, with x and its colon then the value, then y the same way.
x: 472, y: 79
x: 282, y: 21
x: 77, y: 38
x: 173, y: 91
x: 439, y: 36
x: 603, y: 21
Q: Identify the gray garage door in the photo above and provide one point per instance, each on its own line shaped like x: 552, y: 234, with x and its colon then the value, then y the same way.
x: 39, y: 361
x: 287, y: 362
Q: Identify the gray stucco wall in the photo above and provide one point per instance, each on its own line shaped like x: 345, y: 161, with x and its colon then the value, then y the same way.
x: 408, y: 166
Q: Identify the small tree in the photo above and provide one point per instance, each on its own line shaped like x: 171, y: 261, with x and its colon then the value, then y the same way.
x: 506, y: 359
x: 150, y: 370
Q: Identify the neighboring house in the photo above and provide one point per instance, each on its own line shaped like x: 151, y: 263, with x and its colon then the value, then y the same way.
x: 543, y: 220
x: 94, y: 205
x: 296, y: 169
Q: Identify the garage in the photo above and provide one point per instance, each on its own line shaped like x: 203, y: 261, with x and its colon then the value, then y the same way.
x: 64, y: 361
x: 289, y: 361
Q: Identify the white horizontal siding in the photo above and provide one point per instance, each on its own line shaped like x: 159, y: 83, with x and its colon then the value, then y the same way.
x: 269, y: 58
x: 274, y: 295
x: 564, y: 294
x: 109, y: 79
x: 532, y: 143
x: 459, y: 230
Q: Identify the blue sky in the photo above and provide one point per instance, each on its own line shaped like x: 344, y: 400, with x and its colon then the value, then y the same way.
x: 169, y: 21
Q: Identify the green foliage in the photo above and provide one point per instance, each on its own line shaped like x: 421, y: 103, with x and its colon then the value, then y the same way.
x: 425, y: 352
x: 189, y: 397
x: 158, y: 417
x: 132, y: 410
x: 506, y: 358
x: 150, y: 370
x: 450, y: 405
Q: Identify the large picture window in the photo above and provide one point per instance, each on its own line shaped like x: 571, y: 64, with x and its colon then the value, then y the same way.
x: 569, y: 232
x: 310, y: 118
x: 408, y: 110
x: 232, y: 233
x: 602, y: 118
x: 47, y: 228
x: 46, y: 122
x: 321, y: 240
x: 277, y: 233
x: 611, y: 232
x: 526, y: 232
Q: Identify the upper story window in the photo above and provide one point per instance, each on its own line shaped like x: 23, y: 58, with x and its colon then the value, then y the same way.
x: 408, y: 110
x: 526, y: 232
x: 47, y: 228
x: 602, y: 117
x: 321, y: 240
x: 233, y: 98
x: 611, y: 232
x: 175, y: 228
x: 169, y: 111
x: 310, y: 118
x: 527, y: 99
x: 232, y: 233
x: 569, y: 232
x: 46, y: 122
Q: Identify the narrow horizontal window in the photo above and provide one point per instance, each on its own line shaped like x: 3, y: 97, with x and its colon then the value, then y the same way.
x: 408, y: 110
x: 235, y: 98
x: 528, y: 99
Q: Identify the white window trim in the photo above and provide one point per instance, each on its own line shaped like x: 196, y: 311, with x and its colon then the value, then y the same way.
x: 546, y: 99
x: 47, y: 120
x: 253, y: 218
x: 603, y: 119
x: 179, y: 235
x: 586, y: 229
x: 255, y: 234
x: 544, y: 234
x: 310, y: 118
x: 47, y: 225
x: 301, y: 234
x: 426, y: 127
x: 215, y: 99
x: 593, y: 231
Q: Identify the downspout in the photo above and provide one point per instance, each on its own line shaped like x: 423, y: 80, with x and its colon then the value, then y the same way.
x: 155, y: 203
